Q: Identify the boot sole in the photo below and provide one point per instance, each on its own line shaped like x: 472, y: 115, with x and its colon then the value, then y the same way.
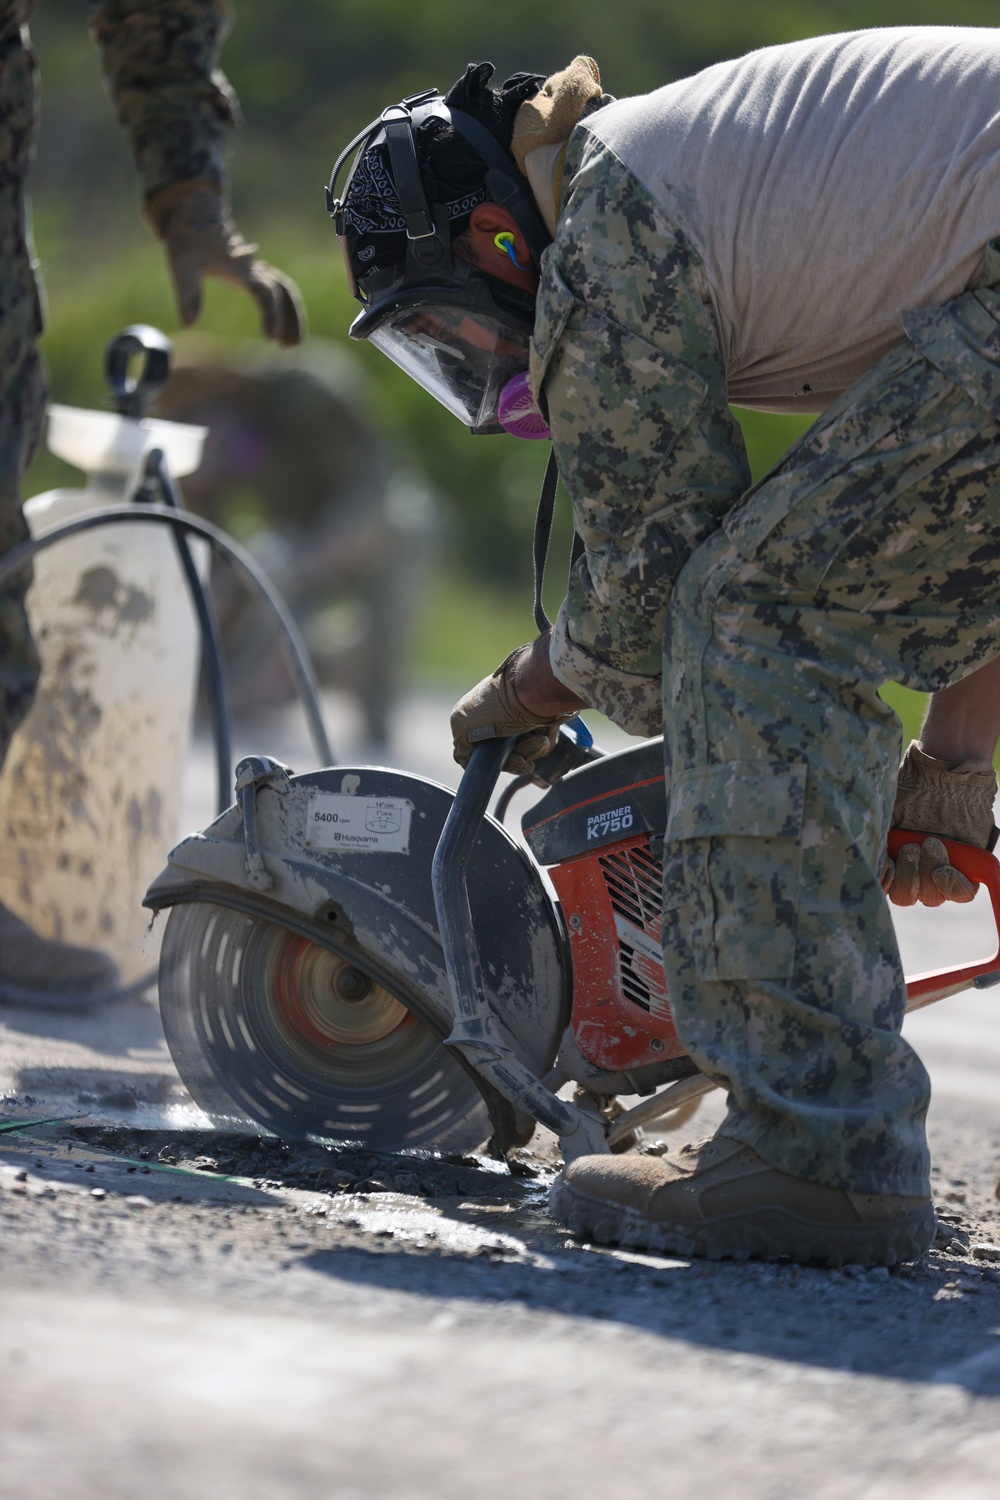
x: 763, y: 1234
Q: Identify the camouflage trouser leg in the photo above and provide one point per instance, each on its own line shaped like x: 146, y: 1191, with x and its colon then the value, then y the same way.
x: 22, y: 383
x: 870, y: 553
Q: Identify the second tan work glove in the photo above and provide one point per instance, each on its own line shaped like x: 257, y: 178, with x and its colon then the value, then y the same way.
x: 491, y: 711
x: 954, y: 801
x: 193, y: 222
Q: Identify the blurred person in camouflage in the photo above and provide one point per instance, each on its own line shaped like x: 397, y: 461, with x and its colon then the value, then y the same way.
x: 159, y: 59
x: 810, y: 227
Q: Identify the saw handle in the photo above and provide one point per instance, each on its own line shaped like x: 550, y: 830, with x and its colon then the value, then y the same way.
x: 474, y: 1030
x: 982, y: 868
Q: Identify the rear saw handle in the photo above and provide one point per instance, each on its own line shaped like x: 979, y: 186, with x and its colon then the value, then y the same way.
x: 982, y: 868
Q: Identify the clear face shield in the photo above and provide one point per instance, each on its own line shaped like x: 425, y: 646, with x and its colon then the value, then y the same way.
x: 462, y: 357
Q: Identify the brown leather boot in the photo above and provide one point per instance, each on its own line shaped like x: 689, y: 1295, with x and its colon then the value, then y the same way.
x: 720, y: 1200
x: 47, y: 975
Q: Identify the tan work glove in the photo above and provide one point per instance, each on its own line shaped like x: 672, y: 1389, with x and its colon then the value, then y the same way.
x: 491, y: 711
x: 193, y: 222
x: 935, y: 796
x: 555, y: 111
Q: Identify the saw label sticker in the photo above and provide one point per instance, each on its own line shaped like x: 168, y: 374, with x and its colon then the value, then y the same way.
x: 613, y: 820
x: 358, y: 825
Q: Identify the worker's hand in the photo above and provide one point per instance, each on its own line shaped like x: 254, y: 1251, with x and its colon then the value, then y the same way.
x: 193, y: 222
x: 921, y: 872
x: 492, y: 711
x: 954, y: 801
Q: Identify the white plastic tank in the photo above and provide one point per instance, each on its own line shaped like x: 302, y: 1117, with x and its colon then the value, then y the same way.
x: 90, y: 794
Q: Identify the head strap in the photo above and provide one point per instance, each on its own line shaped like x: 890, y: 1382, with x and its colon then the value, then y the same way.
x: 406, y: 173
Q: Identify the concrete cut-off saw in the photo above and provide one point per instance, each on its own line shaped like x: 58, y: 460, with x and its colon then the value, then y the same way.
x: 361, y: 953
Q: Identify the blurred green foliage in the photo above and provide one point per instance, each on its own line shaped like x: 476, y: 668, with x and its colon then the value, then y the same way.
x: 311, y: 72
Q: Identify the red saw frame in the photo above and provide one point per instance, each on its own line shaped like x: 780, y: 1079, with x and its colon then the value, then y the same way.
x: 614, y: 960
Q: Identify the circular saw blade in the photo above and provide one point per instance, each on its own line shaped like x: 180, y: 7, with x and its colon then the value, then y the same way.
x: 266, y: 1026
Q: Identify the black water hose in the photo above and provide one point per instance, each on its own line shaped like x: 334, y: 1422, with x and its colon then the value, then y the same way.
x: 289, y: 637
x: 212, y: 659
x: 132, y: 388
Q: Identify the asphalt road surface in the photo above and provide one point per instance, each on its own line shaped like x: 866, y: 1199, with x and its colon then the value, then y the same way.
x: 186, y: 1313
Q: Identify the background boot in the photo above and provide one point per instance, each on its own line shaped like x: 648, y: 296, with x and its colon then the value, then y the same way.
x: 38, y: 971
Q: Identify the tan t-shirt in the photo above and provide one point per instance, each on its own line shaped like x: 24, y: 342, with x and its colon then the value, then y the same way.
x: 829, y: 185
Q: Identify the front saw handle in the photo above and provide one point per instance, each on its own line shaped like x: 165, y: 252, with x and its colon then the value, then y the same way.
x: 474, y: 1030
x: 982, y: 868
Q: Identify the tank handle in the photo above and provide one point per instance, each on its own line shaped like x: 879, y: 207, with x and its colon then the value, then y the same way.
x: 133, y: 393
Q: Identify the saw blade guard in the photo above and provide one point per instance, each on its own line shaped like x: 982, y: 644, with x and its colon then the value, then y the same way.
x: 302, y: 981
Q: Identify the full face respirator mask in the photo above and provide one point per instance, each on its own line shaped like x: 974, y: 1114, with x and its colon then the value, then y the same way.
x: 460, y: 333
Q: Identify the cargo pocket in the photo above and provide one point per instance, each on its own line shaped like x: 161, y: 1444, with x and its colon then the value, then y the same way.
x: 732, y: 866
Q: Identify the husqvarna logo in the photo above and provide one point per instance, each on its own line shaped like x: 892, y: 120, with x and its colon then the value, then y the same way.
x: 603, y: 825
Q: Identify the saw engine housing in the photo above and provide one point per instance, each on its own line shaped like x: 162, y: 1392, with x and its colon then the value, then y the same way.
x: 600, y: 832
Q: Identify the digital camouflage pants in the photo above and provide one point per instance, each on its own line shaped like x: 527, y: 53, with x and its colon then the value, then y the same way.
x: 22, y: 383
x: 870, y: 553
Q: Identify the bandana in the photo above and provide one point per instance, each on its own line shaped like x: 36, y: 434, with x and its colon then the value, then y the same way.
x: 374, y: 225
